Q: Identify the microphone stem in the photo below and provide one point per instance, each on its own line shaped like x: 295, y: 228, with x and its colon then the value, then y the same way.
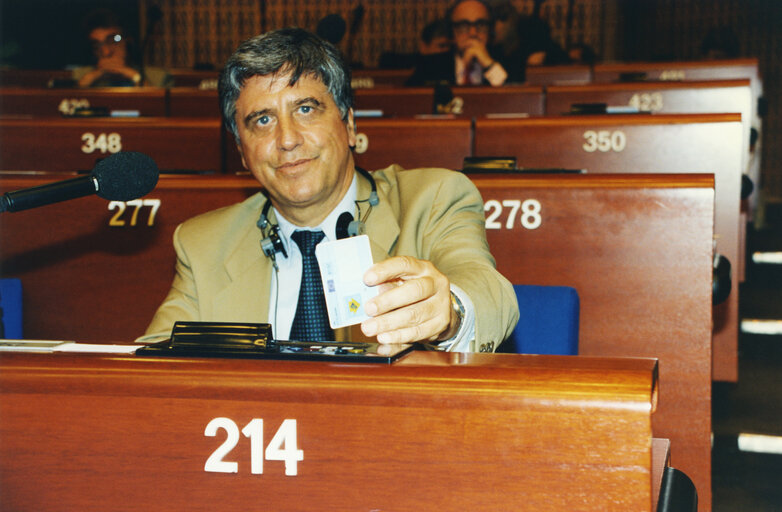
x: 49, y: 193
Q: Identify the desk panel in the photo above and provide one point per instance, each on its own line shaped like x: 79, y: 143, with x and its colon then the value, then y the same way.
x: 93, y: 270
x: 638, y: 249
x: 71, y: 145
x: 492, y: 431
x: 558, y: 75
x: 396, y: 102
x: 40, y: 102
x: 480, y: 101
x: 413, y: 143
x: 644, y: 144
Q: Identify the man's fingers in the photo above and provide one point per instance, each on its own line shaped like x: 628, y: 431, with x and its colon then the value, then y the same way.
x: 404, y: 293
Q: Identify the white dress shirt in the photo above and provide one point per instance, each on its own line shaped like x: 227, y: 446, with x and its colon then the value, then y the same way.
x: 286, y: 281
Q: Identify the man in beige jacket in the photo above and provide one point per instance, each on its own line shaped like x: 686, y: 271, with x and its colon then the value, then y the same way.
x: 286, y: 97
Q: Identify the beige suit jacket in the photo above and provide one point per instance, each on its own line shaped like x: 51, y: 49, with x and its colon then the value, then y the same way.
x: 431, y: 214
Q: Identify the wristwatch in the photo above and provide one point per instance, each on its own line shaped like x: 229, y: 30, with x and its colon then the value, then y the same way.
x: 458, y: 308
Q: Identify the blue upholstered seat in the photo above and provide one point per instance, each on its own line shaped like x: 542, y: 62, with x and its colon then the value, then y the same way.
x: 548, y: 321
x: 11, y: 307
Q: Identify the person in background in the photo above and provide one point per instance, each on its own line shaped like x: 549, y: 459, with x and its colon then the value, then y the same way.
x: 470, y: 61
x: 435, y: 38
x: 538, y: 45
x: 508, y: 40
x: 114, y: 64
x: 286, y: 98
x: 582, y: 53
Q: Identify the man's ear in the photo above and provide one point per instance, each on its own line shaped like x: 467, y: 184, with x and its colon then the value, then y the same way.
x: 241, y: 153
x: 350, y: 125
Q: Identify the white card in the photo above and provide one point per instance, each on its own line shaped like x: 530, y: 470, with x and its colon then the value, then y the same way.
x: 342, y: 266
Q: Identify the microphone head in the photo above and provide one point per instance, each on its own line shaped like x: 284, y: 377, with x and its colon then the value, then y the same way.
x: 125, y: 176
x: 343, y: 223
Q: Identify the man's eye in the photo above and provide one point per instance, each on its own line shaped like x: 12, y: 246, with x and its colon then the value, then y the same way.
x: 305, y: 109
x: 263, y: 120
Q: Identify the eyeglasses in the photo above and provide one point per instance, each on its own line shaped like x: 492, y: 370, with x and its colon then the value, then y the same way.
x: 109, y: 40
x: 464, y: 26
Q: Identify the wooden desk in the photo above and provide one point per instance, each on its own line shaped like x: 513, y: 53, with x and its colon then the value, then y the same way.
x: 40, y: 102
x: 195, y: 78
x: 644, y: 144
x: 638, y: 248
x: 193, y: 102
x: 32, y: 77
x: 558, y: 75
x: 491, y: 431
x: 113, y: 267
x: 511, y: 99
x: 70, y: 145
x: 381, y: 78
x: 413, y: 142
x: 396, y: 102
x: 704, y: 97
x: 728, y: 69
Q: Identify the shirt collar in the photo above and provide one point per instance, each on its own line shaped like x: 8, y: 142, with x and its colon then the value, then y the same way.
x: 329, y: 224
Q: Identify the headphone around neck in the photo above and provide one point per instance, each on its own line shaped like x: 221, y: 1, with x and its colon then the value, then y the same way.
x: 271, y: 244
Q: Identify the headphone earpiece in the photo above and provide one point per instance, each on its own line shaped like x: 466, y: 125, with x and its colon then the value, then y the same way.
x: 347, y: 227
x: 271, y: 244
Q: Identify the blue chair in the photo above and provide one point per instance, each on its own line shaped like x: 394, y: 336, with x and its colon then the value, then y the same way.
x: 11, y: 308
x: 548, y: 321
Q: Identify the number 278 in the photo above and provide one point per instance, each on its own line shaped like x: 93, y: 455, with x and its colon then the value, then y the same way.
x: 530, y: 216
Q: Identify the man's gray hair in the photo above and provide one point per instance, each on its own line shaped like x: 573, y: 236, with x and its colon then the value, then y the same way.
x: 285, y: 51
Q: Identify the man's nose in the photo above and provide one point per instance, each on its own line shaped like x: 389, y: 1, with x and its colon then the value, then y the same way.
x: 288, y: 134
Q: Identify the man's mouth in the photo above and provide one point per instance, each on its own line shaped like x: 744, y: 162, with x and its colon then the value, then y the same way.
x: 294, y: 165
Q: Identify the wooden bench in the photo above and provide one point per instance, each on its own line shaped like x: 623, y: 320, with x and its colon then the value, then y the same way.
x: 510, y: 432
x: 643, y: 144
x: 638, y: 248
x: 75, y: 144
x: 39, y: 102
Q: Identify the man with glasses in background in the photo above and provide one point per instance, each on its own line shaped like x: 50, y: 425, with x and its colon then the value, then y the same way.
x: 115, y: 65
x: 469, y: 62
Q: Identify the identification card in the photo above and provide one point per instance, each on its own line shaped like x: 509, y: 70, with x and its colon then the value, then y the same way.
x: 342, y: 266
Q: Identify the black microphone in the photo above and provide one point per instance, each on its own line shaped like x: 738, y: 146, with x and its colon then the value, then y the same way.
x: 347, y: 227
x: 121, y: 177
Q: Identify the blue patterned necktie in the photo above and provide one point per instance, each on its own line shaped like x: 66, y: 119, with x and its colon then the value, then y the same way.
x: 311, y: 322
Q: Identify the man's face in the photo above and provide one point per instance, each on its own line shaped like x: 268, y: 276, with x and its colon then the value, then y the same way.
x: 108, y: 44
x: 295, y: 143
x: 470, y: 21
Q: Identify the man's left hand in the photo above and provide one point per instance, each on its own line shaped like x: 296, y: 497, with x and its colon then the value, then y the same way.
x: 414, y: 303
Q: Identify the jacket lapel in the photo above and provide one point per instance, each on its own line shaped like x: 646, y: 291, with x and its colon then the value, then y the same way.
x: 381, y: 224
x: 245, y: 296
